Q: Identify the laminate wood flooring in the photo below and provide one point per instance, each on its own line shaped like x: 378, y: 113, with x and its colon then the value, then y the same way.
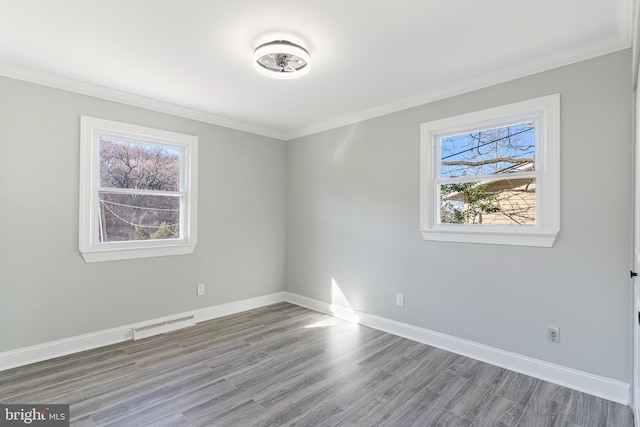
x: 283, y: 365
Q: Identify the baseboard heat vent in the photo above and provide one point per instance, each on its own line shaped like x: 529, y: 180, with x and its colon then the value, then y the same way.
x: 163, y: 327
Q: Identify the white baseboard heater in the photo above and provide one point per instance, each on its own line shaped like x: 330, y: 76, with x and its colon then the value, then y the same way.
x: 163, y: 327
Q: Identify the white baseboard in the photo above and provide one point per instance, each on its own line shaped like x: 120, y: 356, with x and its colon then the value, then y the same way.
x: 606, y: 388
x: 306, y: 302
x: 586, y: 382
x: 37, y: 353
x: 49, y: 350
x: 230, y: 308
x: 603, y: 387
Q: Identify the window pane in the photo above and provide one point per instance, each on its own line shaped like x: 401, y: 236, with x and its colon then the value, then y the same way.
x: 125, y: 217
x: 503, y: 202
x: 125, y: 164
x: 489, y: 152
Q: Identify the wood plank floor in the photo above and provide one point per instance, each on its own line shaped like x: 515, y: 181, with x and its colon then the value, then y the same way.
x: 286, y: 365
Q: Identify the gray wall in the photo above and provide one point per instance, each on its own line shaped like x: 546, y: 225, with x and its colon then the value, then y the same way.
x: 47, y: 292
x: 349, y: 201
x: 353, y: 217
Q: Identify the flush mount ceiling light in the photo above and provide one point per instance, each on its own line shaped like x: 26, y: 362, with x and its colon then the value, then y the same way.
x: 281, y: 59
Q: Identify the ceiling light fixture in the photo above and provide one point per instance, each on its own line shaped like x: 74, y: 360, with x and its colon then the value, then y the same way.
x: 281, y: 59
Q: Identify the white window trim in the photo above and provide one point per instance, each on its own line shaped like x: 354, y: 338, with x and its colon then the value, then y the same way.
x: 94, y: 251
x: 544, y: 233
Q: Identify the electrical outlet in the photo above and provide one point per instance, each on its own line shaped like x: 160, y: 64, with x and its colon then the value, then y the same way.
x: 553, y: 335
x: 200, y: 289
x: 400, y: 300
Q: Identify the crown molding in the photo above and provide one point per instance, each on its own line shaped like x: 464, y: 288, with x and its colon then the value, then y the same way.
x: 83, y: 88
x: 546, y: 63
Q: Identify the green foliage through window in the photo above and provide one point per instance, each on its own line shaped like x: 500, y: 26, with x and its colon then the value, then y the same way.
x: 466, y: 202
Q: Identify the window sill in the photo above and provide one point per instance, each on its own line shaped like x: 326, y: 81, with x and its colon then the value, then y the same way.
x: 536, y: 239
x: 115, y: 254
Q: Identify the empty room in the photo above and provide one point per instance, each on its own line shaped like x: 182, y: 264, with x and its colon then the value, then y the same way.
x: 366, y: 213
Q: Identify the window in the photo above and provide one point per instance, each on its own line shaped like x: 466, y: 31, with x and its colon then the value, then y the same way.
x: 138, y: 191
x: 493, y: 176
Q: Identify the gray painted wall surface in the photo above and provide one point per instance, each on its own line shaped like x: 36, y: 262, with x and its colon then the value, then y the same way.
x: 352, y: 207
x: 353, y: 217
x: 47, y: 292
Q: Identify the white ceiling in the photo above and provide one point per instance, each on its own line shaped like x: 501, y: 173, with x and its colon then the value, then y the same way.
x: 369, y: 57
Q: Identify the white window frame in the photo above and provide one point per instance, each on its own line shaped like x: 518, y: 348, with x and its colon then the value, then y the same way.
x: 92, y: 250
x: 546, y: 112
